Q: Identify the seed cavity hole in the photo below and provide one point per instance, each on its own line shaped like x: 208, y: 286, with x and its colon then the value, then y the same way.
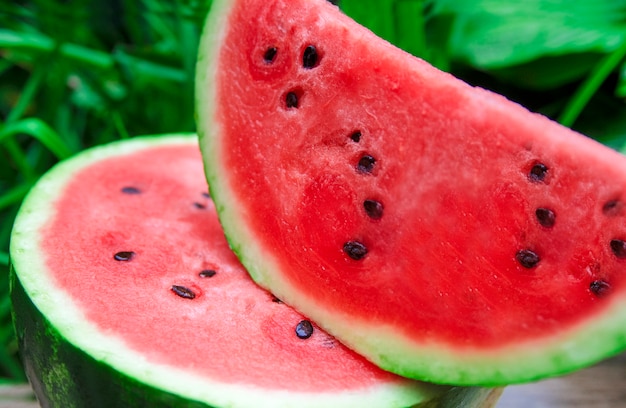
x: 546, y: 217
x: 124, y: 256
x: 600, y: 288
x: 618, y: 247
x: 310, y: 57
x: 527, y: 258
x: 355, y: 250
x: 612, y: 208
x: 183, y: 291
x: 373, y: 209
x: 366, y: 164
x: 356, y: 136
x: 293, y: 99
x: 304, y: 329
x: 538, y: 173
x: 270, y: 55
x: 207, y: 273
x: 131, y: 190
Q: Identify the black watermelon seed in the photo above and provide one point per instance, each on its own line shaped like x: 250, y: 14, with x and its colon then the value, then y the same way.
x: 291, y: 100
x: 130, y: 190
x: 124, y: 256
x: 199, y: 206
x: 304, y: 329
x: 310, y: 57
x: 527, y: 258
x: 206, y: 194
x: 538, y: 172
x: 366, y: 164
x: 619, y: 248
x: 373, y: 208
x: 612, y: 207
x: 356, y: 136
x: 546, y: 217
x: 183, y: 292
x: 207, y: 273
x: 276, y: 300
x: 599, y: 288
x: 270, y: 54
x: 355, y: 250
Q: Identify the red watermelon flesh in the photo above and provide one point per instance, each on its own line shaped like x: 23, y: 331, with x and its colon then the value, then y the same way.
x: 120, y: 249
x: 411, y: 215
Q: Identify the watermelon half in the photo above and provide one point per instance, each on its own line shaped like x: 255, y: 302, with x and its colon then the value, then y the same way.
x: 440, y: 230
x: 126, y: 294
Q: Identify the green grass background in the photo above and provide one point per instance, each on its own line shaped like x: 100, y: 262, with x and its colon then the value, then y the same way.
x: 74, y: 74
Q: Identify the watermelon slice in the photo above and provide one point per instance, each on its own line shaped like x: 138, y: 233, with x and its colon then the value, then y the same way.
x: 440, y: 230
x: 126, y: 295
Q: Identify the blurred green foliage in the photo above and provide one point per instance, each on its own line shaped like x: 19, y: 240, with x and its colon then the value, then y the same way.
x: 74, y: 74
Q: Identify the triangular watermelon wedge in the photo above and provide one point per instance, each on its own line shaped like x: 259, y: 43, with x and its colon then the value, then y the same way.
x: 441, y: 230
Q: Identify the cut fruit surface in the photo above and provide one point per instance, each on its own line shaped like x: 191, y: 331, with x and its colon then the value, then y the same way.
x: 126, y: 294
x: 441, y: 230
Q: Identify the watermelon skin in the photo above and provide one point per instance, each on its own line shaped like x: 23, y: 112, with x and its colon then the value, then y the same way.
x: 75, y: 356
x: 493, y: 258
x: 63, y: 375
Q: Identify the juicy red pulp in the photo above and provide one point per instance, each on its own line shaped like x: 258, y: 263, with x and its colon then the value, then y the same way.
x: 136, y: 243
x: 481, y: 219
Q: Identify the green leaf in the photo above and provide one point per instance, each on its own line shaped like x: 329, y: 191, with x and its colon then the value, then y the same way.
x: 620, y: 90
x: 377, y: 15
x: 35, y: 44
x: 40, y: 131
x: 14, y: 196
x: 590, y: 86
x: 494, y: 34
x: 401, y: 22
x: 548, y: 72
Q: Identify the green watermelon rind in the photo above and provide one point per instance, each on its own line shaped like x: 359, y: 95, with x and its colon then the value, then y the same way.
x: 575, y: 347
x: 72, y: 363
x: 63, y: 375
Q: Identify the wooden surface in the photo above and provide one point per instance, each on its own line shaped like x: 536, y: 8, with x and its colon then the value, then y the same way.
x: 600, y: 386
x: 17, y: 396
